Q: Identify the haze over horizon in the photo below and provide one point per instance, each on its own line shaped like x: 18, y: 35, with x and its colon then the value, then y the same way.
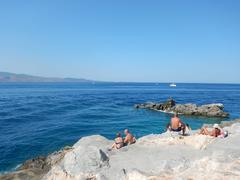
x: 128, y: 41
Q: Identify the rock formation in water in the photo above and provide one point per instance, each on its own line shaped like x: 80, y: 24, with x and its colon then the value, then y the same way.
x: 208, y: 110
x: 152, y: 157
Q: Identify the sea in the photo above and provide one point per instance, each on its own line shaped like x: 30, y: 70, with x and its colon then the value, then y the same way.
x: 40, y: 118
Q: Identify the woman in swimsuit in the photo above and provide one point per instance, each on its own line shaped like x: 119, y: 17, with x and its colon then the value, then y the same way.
x: 215, y: 131
x: 118, y: 142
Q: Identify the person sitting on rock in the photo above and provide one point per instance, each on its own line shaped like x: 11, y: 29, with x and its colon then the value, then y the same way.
x: 176, y: 124
x: 215, y: 131
x: 129, y: 139
x: 118, y: 142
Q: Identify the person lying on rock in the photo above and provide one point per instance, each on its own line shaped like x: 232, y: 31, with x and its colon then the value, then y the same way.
x: 216, y: 131
x: 176, y: 124
x: 118, y: 142
x: 129, y: 139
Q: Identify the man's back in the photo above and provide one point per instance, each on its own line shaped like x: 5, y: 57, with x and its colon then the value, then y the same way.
x: 175, y: 122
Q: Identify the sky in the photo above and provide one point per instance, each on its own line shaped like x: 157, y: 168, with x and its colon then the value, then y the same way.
x: 127, y: 40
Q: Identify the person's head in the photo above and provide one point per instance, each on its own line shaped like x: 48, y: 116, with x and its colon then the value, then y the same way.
x: 176, y: 114
x: 118, y: 135
x: 126, y: 131
x: 216, y: 126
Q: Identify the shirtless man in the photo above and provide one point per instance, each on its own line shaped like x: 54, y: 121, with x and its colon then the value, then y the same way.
x: 177, y: 125
x: 129, y: 139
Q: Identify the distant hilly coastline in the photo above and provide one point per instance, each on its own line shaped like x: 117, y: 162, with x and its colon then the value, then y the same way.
x: 13, y: 77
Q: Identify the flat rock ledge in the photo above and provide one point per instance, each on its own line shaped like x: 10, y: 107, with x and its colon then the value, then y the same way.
x: 153, y: 157
x: 170, y: 106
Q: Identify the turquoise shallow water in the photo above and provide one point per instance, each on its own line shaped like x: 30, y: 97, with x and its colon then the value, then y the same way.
x: 38, y: 118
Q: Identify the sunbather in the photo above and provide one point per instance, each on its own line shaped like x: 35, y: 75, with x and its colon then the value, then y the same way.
x: 129, y: 139
x: 118, y: 142
x: 176, y: 124
x: 216, y: 131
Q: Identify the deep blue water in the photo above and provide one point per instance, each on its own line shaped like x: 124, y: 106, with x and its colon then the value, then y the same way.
x: 37, y: 118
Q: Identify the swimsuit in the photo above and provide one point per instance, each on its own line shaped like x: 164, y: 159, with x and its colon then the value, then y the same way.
x: 119, y: 144
x: 176, y: 130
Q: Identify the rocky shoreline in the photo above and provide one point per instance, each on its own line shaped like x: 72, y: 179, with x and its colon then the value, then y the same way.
x: 170, y: 106
x: 36, y: 168
x: 153, y: 157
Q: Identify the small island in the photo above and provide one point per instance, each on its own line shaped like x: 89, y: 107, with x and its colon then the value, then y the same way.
x: 170, y: 106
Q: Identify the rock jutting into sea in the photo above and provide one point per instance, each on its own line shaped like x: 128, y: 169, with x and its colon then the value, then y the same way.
x: 170, y: 106
x: 36, y: 168
x: 152, y: 157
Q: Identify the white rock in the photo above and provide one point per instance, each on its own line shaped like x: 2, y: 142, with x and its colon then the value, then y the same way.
x: 153, y: 157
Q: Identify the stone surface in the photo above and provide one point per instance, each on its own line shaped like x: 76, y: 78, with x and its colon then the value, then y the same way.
x: 156, y: 156
x: 152, y: 157
x: 36, y: 168
x: 208, y: 110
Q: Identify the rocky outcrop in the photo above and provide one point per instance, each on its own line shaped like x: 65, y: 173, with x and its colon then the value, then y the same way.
x: 152, y: 157
x: 162, y: 156
x: 208, y: 110
x: 36, y: 168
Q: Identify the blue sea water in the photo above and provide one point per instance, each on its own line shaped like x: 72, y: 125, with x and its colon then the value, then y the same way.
x: 39, y: 118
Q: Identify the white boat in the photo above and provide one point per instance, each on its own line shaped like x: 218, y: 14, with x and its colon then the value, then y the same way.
x: 173, y: 85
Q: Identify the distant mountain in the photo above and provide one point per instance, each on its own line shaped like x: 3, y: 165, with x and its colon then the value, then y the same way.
x: 12, y: 77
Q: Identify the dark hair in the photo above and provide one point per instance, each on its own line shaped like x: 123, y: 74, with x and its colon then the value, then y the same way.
x: 176, y: 114
x: 118, y: 134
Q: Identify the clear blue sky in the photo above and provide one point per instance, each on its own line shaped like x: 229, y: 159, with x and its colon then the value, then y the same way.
x: 127, y: 40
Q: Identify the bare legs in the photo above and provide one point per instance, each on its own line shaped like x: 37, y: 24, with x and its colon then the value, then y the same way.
x: 204, y: 131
